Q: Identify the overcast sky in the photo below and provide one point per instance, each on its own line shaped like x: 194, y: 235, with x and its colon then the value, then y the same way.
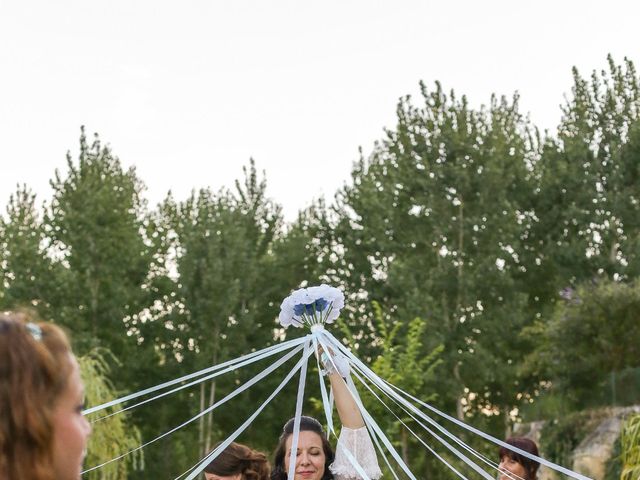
x: 188, y: 91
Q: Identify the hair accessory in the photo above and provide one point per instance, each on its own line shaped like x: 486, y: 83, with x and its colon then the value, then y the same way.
x: 35, y: 331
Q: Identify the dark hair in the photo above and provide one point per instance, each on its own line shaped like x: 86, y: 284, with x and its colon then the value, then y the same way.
x: 238, y: 458
x: 307, y: 424
x: 529, y: 446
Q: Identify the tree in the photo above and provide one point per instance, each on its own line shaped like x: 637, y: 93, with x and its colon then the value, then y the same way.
x: 591, y: 334
x: 402, y: 362
x: 433, y: 226
x: 587, y: 207
x: 28, y: 274
x: 584, y: 231
x: 95, y: 226
x: 112, y: 436
x: 223, y: 244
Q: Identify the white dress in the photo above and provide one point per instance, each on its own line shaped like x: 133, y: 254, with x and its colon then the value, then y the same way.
x: 359, y: 444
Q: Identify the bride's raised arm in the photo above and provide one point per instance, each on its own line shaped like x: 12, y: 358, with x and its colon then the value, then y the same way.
x: 348, y: 410
x: 354, y: 437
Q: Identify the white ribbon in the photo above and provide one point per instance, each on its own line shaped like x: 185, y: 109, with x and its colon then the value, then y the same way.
x: 444, y: 442
x: 451, y: 467
x: 296, y: 422
x: 260, y: 354
x: 372, y: 426
x: 251, y: 418
x: 239, y: 430
x: 391, y: 390
x: 240, y: 362
x: 327, y: 402
x: 374, y: 378
x: 231, y: 395
x: 443, y: 430
x: 321, y: 337
x: 328, y: 406
x: 466, y: 447
x: 486, y: 436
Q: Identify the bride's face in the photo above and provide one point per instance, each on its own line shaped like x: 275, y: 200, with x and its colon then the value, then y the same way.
x: 310, y: 458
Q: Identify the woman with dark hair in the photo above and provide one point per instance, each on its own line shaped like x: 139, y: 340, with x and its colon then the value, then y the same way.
x: 515, y: 466
x: 43, y: 434
x: 238, y: 462
x: 316, y: 455
x: 315, y: 459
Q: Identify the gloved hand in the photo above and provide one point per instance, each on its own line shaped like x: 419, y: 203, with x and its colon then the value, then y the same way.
x: 340, y: 362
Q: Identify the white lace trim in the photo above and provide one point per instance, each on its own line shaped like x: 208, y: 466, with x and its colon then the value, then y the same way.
x: 359, y: 444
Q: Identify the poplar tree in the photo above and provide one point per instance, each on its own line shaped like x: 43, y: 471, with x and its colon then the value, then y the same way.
x: 95, y: 228
x: 28, y: 275
x: 432, y: 226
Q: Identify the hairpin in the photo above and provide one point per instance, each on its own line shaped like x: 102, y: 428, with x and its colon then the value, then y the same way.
x: 35, y: 331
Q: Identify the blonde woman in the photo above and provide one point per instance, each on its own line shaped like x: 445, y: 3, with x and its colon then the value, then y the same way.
x: 43, y: 434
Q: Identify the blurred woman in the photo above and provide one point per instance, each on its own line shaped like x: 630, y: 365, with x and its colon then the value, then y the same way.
x: 238, y: 462
x: 43, y: 434
x: 515, y: 466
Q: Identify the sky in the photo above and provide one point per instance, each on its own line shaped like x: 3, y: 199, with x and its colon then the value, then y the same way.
x: 188, y: 91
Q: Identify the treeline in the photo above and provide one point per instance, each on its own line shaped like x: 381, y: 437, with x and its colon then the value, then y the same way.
x: 489, y: 268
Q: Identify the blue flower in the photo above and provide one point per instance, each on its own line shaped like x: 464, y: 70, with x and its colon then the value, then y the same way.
x: 311, y: 306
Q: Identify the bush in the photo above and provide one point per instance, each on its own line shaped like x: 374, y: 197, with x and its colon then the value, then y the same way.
x: 560, y: 437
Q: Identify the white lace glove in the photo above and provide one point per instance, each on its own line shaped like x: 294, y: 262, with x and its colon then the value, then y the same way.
x: 340, y: 362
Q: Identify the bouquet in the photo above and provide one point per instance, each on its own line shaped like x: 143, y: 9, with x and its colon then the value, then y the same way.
x: 311, y: 306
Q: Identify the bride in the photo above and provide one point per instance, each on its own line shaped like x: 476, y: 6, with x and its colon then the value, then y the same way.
x: 315, y: 459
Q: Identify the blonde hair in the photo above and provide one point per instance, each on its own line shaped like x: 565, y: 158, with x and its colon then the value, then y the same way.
x: 34, y: 369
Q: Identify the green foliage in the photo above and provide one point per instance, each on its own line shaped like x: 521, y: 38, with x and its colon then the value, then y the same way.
x: 613, y: 467
x: 561, y: 436
x: 630, y: 448
x: 587, y: 208
x: 112, y: 436
x: 433, y: 227
x: 25, y: 270
x: 231, y: 266
x: 593, y: 333
x: 404, y: 362
x: 463, y: 219
x: 94, y: 225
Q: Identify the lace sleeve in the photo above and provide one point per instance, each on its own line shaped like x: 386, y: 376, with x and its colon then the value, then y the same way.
x: 359, y: 444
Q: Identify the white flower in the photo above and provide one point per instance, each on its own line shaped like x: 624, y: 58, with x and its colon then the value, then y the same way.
x: 311, y: 306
